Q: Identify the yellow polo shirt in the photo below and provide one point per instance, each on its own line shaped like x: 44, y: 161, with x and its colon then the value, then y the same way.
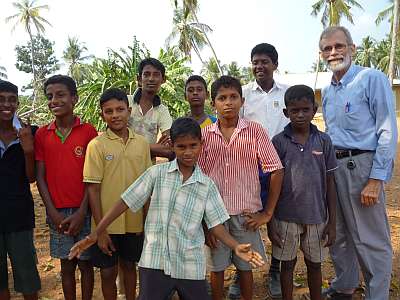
x: 115, y: 166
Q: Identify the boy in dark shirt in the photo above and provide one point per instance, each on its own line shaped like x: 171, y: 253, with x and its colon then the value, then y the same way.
x: 17, y: 218
x: 305, y: 215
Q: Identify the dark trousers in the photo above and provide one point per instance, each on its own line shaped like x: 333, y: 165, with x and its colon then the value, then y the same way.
x: 155, y: 285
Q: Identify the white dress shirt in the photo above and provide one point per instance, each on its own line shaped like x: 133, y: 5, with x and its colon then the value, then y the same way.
x: 265, y: 108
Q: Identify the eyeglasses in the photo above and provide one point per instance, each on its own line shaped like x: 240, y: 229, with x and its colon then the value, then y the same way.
x: 12, y: 101
x: 338, y: 47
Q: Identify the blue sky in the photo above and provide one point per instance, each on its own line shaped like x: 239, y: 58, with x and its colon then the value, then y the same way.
x: 237, y: 27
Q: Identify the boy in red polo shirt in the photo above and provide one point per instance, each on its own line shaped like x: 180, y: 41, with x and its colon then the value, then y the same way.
x: 60, y: 155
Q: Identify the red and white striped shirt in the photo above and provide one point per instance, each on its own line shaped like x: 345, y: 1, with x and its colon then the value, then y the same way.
x: 233, y: 165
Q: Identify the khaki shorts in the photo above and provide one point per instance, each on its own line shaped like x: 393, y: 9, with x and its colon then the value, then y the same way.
x: 222, y: 257
x: 307, y: 237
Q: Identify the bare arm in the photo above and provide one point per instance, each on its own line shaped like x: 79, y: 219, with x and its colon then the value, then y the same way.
x: 109, y: 217
x: 255, y: 220
x: 27, y: 141
x: 163, y: 147
x: 244, y: 251
x: 41, y: 183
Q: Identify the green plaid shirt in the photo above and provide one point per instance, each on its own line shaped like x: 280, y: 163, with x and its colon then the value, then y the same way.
x: 174, y: 238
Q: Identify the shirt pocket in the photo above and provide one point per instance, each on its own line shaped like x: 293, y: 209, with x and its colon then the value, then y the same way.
x: 350, y: 116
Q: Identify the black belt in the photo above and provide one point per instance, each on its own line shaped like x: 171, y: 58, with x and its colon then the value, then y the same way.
x: 342, y: 153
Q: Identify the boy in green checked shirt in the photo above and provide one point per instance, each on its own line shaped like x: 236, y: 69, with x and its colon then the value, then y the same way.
x: 181, y: 197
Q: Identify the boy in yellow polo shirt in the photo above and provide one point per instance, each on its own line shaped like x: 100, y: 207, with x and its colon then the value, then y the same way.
x: 113, y: 161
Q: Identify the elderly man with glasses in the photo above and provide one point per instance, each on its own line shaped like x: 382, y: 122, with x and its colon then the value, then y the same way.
x: 360, y: 118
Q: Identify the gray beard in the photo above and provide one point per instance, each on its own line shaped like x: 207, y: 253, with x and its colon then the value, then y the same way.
x: 341, y: 66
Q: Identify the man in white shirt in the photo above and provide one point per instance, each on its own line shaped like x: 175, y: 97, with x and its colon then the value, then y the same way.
x: 264, y: 103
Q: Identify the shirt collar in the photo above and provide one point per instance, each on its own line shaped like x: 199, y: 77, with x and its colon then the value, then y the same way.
x: 53, y: 126
x: 242, y: 123
x: 112, y: 136
x: 347, y: 77
x: 288, y: 132
x: 275, y: 85
x: 197, y: 175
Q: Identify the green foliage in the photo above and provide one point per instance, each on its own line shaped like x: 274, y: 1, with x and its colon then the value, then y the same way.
x: 376, y: 54
x: 74, y: 57
x: 189, y: 32
x: 172, y: 91
x: 28, y: 15
x: 334, y: 10
x: 3, y: 72
x: 321, y: 66
x: 119, y: 70
x: 365, y: 55
x: 45, y: 61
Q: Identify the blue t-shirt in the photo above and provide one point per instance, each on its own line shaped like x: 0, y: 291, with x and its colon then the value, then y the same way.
x: 303, y: 195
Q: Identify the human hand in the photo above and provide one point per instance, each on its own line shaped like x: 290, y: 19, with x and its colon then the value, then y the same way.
x: 330, y: 232
x: 273, y: 235
x: 370, y: 193
x: 211, y: 240
x: 105, y: 244
x: 26, y: 139
x: 245, y: 252
x: 57, y: 219
x: 255, y: 220
x: 82, y: 245
x: 165, y: 140
x: 73, y: 223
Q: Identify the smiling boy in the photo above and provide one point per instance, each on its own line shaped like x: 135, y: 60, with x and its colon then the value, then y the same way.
x: 113, y: 161
x: 60, y: 154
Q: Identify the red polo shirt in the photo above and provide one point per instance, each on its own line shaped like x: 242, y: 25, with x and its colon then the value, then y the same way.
x: 64, y: 161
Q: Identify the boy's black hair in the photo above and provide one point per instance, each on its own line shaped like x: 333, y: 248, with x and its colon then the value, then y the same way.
x: 62, y: 79
x: 6, y: 86
x: 184, y: 127
x: 153, y: 62
x: 299, y: 92
x: 266, y: 49
x: 196, y: 78
x: 113, y: 93
x: 226, y: 82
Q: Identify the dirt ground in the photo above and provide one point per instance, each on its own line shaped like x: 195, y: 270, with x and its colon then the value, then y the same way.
x: 49, y: 268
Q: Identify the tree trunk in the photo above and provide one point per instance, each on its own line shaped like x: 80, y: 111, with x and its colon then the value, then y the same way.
x: 395, y: 30
x: 33, y: 69
x: 211, y: 47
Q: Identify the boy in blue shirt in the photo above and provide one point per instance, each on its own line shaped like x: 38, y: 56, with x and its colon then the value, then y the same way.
x: 305, y: 215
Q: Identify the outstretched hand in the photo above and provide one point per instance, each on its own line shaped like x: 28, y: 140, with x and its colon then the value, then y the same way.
x: 245, y: 252
x: 82, y: 245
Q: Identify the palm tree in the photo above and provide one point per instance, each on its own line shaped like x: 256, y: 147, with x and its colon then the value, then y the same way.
x: 191, y: 34
x: 386, y: 13
x: 192, y: 6
x: 3, y: 72
x: 334, y: 10
x: 365, y: 55
x: 28, y: 15
x: 210, y: 70
x: 395, y: 29
x: 73, y: 55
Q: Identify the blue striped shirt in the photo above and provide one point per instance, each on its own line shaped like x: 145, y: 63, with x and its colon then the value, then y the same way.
x: 359, y: 113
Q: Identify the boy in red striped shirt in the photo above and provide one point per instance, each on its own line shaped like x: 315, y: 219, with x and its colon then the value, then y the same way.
x: 233, y: 148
